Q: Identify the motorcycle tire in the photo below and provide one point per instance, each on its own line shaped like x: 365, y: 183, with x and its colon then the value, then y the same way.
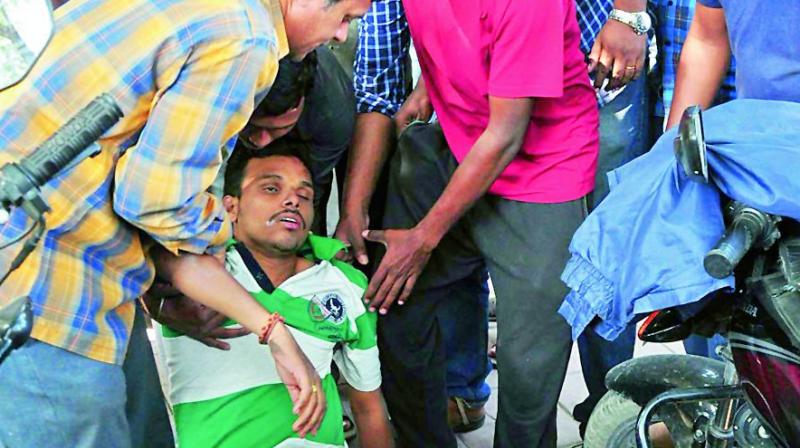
x: 612, y: 423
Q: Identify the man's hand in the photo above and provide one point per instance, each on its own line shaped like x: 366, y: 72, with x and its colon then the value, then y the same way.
x: 189, y: 317
x: 618, y: 52
x: 301, y: 379
x: 407, y: 253
x: 416, y: 107
x: 349, y: 230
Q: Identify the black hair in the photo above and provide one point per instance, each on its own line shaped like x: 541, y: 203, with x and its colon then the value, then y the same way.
x: 293, y: 82
x: 288, y: 146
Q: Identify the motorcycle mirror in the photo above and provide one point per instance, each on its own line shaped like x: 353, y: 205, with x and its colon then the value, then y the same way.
x: 26, y: 27
x: 690, y: 145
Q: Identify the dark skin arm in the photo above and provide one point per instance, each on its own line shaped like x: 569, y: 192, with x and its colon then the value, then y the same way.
x: 371, y: 144
x: 409, y: 250
x: 370, y: 418
x: 705, y: 57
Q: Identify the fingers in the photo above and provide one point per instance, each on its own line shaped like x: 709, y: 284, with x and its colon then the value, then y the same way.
x: 617, y: 74
x: 304, y: 421
x: 304, y: 392
x: 604, y: 65
x: 351, y: 236
x: 215, y: 343
x: 594, y: 55
x: 319, y: 414
x: 374, y: 286
x: 311, y: 416
x: 228, y: 333
x: 210, y: 320
x: 388, y: 292
x: 359, y: 250
x: 376, y: 236
x: 344, y: 254
x: 409, y: 286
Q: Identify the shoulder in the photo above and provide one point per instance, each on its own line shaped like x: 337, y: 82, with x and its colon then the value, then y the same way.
x: 199, y: 21
x: 353, y: 275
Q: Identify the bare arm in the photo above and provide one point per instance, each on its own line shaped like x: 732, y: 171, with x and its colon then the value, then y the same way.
x: 704, y: 60
x: 371, y: 420
x: 494, y: 150
x: 371, y: 145
x: 408, y: 250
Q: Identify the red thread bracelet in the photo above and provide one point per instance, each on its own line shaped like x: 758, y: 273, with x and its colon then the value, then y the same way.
x: 266, y: 330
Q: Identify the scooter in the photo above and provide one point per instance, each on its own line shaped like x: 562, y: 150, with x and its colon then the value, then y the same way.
x: 26, y: 27
x: 752, y: 398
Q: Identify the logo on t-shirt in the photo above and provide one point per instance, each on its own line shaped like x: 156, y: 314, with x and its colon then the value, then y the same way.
x: 329, y: 307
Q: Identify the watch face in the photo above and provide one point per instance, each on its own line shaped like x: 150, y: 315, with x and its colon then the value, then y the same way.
x: 644, y: 22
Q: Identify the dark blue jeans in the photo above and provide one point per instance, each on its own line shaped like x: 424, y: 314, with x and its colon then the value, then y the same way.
x: 467, y: 321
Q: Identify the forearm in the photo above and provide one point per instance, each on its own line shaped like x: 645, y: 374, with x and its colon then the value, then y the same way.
x: 371, y: 145
x: 370, y: 418
x: 205, y: 280
x: 486, y: 160
x: 705, y: 58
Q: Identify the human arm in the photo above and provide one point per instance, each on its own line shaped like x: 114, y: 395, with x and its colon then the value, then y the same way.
x: 616, y: 48
x: 206, y: 98
x: 380, y: 84
x: 204, y: 279
x: 168, y: 306
x: 705, y: 58
x: 408, y: 250
x: 417, y: 107
x: 370, y: 418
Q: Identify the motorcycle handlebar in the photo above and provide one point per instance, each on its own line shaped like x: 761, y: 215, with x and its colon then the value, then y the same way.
x: 68, y: 142
x: 749, y: 227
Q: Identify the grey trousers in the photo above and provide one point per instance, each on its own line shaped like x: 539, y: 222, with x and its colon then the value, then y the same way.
x: 524, y: 246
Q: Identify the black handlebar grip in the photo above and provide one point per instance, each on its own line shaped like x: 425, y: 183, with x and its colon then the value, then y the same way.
x: 720, y: 261
x: 68, y: 142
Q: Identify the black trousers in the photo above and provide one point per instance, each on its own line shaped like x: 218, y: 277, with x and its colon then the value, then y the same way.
x: 524, y: 246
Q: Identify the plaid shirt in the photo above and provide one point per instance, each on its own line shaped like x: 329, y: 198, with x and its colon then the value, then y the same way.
x: 185, y: 74
x: 381, y: 73
x: 592, y: 15
x: 673, y: 18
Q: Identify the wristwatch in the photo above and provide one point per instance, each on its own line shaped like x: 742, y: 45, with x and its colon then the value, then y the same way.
x: 639, y: 22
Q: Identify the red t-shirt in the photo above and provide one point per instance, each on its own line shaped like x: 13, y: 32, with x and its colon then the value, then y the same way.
x: 470, y: 49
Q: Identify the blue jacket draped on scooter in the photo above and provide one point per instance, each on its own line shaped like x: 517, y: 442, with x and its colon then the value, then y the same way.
x: 642, y: 249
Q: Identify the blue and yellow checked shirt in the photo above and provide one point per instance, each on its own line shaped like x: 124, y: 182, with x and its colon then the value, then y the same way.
x: 186, y: 74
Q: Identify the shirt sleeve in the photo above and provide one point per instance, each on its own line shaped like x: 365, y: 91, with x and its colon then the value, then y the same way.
x: 380, y: 72
x: 710, y: 3
x: 527, y: 49
x: 161, y: 182
x: 357, y: 358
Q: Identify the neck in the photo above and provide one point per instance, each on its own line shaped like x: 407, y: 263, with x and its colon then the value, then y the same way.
x: 278, y: 265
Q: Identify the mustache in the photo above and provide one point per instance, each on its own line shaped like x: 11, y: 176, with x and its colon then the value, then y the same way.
x: 293, y: 212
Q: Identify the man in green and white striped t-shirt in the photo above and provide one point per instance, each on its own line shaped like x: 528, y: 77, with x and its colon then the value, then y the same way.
x: 236, y: 398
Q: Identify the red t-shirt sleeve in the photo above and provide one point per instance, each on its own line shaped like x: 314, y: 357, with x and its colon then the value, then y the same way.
x: 527, y: 48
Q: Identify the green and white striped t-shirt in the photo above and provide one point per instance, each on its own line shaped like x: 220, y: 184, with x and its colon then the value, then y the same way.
x: 235, y: 398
